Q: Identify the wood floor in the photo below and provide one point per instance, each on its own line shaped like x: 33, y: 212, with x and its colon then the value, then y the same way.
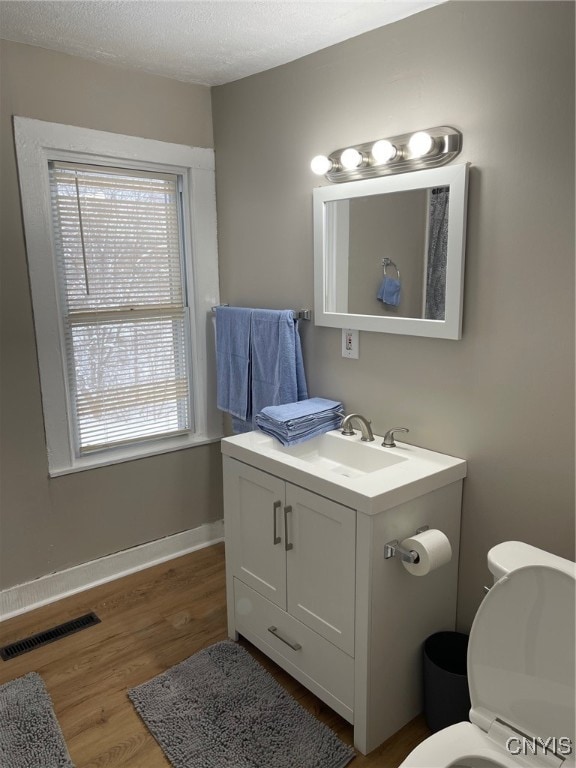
x: 150, y: 621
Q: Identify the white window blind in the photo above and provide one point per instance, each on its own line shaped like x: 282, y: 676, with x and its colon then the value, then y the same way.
x: 120, y: 269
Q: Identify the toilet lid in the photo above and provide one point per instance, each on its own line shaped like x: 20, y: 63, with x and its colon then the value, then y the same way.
x: 521, y: 653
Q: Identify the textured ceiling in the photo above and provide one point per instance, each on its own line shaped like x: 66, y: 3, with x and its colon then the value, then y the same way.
x: 199, y: 41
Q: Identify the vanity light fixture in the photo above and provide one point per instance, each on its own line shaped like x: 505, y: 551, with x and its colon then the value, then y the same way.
x: 397, y: 154
x: 383, y: 151
x: 421, y: 143
x: 321, y: 165
x: 351, y: 159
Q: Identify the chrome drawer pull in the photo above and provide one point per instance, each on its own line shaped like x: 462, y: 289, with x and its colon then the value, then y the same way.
x: 287, y: 545
x: 277, y: 539
x: 294, y: 646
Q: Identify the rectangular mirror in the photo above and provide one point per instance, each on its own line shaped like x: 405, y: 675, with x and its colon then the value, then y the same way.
x: 389, y: 253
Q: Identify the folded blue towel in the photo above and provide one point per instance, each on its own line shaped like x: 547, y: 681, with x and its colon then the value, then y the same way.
x: 259, y: 362
x: 389, y: 291
x: 289, y: 413
x: 294, y: 423
x: 297, y: 439
x: 233, y: 325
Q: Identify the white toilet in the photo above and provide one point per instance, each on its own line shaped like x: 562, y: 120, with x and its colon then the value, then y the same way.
x: 521, y: 669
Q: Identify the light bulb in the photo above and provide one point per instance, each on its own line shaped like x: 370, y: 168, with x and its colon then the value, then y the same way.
x: 321, y: 164
x: 351, y: 159
x: 383, y: 151
x: 421, y: 143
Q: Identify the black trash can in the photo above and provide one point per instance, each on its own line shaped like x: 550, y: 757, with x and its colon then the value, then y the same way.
x: 446, y: 694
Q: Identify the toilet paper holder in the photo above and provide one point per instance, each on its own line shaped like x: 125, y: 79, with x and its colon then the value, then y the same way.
x: 393, y: 548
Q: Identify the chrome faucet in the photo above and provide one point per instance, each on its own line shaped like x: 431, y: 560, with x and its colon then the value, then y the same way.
x: 364, y: 423
x: 388, y: 441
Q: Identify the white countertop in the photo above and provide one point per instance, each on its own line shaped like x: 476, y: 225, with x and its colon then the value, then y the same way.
x: 407, y: 470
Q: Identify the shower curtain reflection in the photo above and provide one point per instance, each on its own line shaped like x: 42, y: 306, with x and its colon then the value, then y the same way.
x: 437, y: 251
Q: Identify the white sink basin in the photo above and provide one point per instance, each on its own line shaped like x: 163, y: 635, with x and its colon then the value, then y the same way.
x: 346, y: 457
x: 362, y: 475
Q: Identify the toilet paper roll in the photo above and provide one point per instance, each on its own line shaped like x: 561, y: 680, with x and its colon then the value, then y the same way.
x: 433, y: 550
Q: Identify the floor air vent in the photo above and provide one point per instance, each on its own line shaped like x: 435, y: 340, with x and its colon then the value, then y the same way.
x: 48, y: 636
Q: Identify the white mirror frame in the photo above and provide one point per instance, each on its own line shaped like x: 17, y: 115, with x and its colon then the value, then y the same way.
x: 327, y: 240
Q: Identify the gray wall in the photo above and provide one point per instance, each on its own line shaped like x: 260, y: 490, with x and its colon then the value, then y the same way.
x: 47, y: 525
x: 503, y: 396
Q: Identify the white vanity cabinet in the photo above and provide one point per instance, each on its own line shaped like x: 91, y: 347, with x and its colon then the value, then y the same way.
x: 307, y: 582
x: 290, y: 556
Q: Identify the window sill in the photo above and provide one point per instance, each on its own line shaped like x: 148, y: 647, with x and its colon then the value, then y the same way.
x: 133, y: 453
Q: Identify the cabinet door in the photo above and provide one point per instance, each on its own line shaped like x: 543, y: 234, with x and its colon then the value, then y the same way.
x: 254, y: 508
x: 321, y: 565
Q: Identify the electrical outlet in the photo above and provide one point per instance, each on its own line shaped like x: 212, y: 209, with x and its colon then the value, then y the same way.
x: 350, y: 343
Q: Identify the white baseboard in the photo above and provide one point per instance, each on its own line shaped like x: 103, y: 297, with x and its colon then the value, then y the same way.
x: 55, y: 586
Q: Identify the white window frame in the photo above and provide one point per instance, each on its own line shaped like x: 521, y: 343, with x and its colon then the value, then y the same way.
x: 38, y: 142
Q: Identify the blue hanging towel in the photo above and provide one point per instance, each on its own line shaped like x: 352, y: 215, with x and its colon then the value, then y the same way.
x: 274, y: 373
x: 233, y: 393
x: 276, y: 359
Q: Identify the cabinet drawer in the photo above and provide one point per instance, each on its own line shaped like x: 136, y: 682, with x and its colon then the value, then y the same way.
x: 316, y: 663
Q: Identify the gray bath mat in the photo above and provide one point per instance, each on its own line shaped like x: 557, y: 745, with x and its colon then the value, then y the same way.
x: 30, y: 736
x: 221, y: 709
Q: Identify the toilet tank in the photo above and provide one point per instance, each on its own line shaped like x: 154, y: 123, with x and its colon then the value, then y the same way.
x: 511, y: 555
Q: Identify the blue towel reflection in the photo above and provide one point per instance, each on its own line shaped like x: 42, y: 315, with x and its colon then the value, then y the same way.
x: 389, y: 291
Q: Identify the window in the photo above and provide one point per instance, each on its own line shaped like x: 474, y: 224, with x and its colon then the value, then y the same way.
x: 122, y: 340
x: 121, y: 279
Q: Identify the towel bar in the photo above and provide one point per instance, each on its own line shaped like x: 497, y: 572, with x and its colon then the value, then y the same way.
x: 299, y: 314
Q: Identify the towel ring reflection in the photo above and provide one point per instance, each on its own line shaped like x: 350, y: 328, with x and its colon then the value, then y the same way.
x: 386, y: 262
